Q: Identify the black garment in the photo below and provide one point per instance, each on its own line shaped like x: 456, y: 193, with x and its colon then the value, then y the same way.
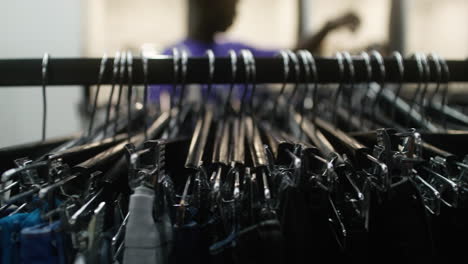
x: 306, y: 228
x: 450, y: 229
x: 260, y: 243
x: 191, y: 243
x: 398, y: 226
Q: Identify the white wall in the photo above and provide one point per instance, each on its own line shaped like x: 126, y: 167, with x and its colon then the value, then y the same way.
x: 122, y: 24
x: 28, y: 29
x: 432, y: 25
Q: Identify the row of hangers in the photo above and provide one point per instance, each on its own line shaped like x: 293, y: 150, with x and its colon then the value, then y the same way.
x: 247, y: 142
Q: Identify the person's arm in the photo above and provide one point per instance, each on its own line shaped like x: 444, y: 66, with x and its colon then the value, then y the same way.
x: 314, y: 42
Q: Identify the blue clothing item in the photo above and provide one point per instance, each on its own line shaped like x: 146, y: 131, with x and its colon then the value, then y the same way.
x: 10, y: 228
x: 42, y: 244
x: 197, y: 49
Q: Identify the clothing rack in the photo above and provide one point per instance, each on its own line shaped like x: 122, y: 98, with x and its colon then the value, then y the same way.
x: 84, y: 71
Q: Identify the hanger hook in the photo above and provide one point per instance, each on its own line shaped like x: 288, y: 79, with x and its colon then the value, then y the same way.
x: 233, y: 59
x: 45, y: 66
x: 286, y: 70
x: 253, y: 77
x: 183, y: 77
x: 122, y: 69
x: 444, y: 99
x: 247, y: 72
x: 313, y: 70
x: 115, y: 71
x: 438, y: 68
x: 211, y: 70
x: 401, y: 75
x: 144, y: 61
x: 369, y: 72
x: 175, y: 65
x: 352, y: 78
x: 420, y: 67
x: 297, y: 72
x: 102, y: 69
x: 427, y: 76
x: 129, y: 95
x: 341, y: 69
x: 379, y: 59
x: 305, y: 62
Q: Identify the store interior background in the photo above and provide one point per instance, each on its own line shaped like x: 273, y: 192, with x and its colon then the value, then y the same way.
x: 89, y: 28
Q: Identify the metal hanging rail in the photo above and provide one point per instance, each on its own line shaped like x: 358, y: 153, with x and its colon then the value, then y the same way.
x: 84, y: 71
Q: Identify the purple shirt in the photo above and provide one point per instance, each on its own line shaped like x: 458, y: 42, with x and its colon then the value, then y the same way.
x: 198, y: 49
x: 220, y: 48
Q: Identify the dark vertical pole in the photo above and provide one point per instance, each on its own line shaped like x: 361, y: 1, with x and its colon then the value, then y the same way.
x: 397, y: 26
x: 303, y: 19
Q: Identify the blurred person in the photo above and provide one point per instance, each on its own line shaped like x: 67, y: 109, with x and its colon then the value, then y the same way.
x: 208, y: 18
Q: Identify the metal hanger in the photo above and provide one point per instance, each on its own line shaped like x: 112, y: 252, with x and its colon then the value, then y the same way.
x: 102, y: 69
x: 313, y: 68
x: 233, y: 60
x: 286, y: 70
x: 446, y: 74
x: 352, y: 73
x: 368, y: 65
x: 427, y: 76
x: 238, y: 133
x: 129, y: 95
x: 336, y: 95
x: 181, y: 110
x: 253, y: 77
x: 458, y: 119
x: 183, y: 77
x: 114, y: 79
x: 253, y: 135
x: 401, y: 71
x: 222, y: 136
x: 45, y: 64
x: 144, y: 62
x: 122, y: 70
x: 176, y: 69
x: 376, y: 55
x: 244, y: 57
x: 417, y: 57
x: 307, y: 78
x: 379, y: 117
x: 297, y: 72
x: 316, y: 136
x: 359, y: 153
x: 202, y: 129
x: 438, y: 69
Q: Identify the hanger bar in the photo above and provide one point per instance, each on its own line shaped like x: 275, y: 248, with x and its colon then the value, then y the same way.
x: 84, y: 71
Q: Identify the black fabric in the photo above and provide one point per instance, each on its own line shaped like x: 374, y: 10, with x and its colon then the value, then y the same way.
x: 450, y: 229
x: 307, y: 232
x: 261, y: 243
x: 191, y: 244
x: 399, y: 229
